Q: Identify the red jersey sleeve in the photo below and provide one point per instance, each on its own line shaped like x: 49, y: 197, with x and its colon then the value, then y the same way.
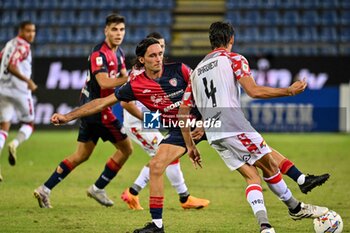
x: 240, y: 66
x: 19, y: 54
x: 187, y: 98
x: 186, y: 72
x: 98, y: 63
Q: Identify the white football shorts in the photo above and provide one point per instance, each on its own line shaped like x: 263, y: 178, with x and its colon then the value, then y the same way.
x: 22, y: 104
x: 149, y: 140
x: 241, y: 149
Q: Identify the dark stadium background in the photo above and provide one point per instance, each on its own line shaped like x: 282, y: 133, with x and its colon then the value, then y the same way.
x: 281, y: 39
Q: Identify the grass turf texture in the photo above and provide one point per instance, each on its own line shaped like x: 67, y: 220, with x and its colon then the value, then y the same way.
x: 228, y: 212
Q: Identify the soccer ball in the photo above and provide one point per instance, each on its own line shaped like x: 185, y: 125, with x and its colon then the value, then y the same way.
x: 331, y: 222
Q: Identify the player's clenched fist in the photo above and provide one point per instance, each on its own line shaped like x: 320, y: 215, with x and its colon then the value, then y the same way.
x: 58, y: 119
x: 297, y: 87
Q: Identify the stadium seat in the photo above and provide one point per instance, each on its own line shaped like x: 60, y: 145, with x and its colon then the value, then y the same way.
x: 271, y: 18
x: 86, y: 18
x: 328, y: 34
x: 345, y: 34
x: 6, y: 34
x: 288, y: 4
x: 50, y: 5
x: 44, y: 35
x: 232, y: 5
x: 14, y: 4
x: 308, y: 34
x: 9, y: 18
x: 309, y: 4
x: 309, y: 17
x: 250, y: 34
x: 64, y: 35
x: 66, y: 18
x: 251, y: 18
x: 47, y: 17
x: 69, y: 5
x: 234, y: 17
x: 345, y: 17
x: 269, y: 34
x: 29, y: 15
x: 268, y: 4
x: 290, y: 18
x: 344, y: 4
x: 289, y: 34
x: 84, y: 35
x: 329, y: 17
x: 328, y: 50
x: 329, y: 4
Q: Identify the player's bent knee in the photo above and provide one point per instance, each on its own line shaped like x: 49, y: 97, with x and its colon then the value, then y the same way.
x: 156, y: 167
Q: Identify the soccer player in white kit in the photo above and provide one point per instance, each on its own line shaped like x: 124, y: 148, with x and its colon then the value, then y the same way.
x: 149, y: 142
x: 215, y: 88
x: 16, y: 88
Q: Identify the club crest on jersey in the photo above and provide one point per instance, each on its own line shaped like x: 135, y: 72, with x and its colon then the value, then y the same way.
x: 173, y: 82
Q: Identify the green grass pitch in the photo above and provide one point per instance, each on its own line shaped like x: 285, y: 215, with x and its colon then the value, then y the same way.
x: 228, y: 212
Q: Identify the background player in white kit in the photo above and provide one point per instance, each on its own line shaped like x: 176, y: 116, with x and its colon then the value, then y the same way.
x: 215, y: 86
x: 149, y: 142
x: 16, y: 88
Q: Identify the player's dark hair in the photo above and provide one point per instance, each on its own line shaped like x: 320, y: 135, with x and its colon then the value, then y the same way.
x: 23, y: 24
x: 114, y: 18
x: 155, y: 35
x: 220, y: 34
x: 141, y: 49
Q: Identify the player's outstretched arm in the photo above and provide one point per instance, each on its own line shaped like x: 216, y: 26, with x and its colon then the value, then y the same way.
x: 262, y: 92
x: 90, y: 108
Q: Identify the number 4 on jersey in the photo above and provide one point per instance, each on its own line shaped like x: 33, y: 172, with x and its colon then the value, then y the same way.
x: 212, y: 90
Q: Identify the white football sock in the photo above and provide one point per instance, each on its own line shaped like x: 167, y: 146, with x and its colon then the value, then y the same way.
x: 176, y: 178
x: 301, y: 179
x: 143, y: 178
x: 278, y: 187
x: 158, y: 222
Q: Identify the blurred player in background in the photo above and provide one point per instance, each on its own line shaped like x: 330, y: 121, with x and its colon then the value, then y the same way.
x: 102, y: 79
x: 215, y: 87
x: 16, y: 88
x: 149, y: 142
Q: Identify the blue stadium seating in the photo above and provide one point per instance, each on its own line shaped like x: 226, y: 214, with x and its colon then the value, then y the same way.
x: 328, y: 34
x: 290, y: 18
x: 269, y: 34
x: 345, y: 34
x: 329, y: 17
x: 310, y: 27
x: 309, y: 17
x: 271, y: 18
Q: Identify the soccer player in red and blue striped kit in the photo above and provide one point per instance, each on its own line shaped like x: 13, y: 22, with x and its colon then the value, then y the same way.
x: 102, y: 79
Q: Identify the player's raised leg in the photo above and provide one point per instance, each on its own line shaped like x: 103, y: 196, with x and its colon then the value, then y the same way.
x: 273, y: 178
x: 306, y: 182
